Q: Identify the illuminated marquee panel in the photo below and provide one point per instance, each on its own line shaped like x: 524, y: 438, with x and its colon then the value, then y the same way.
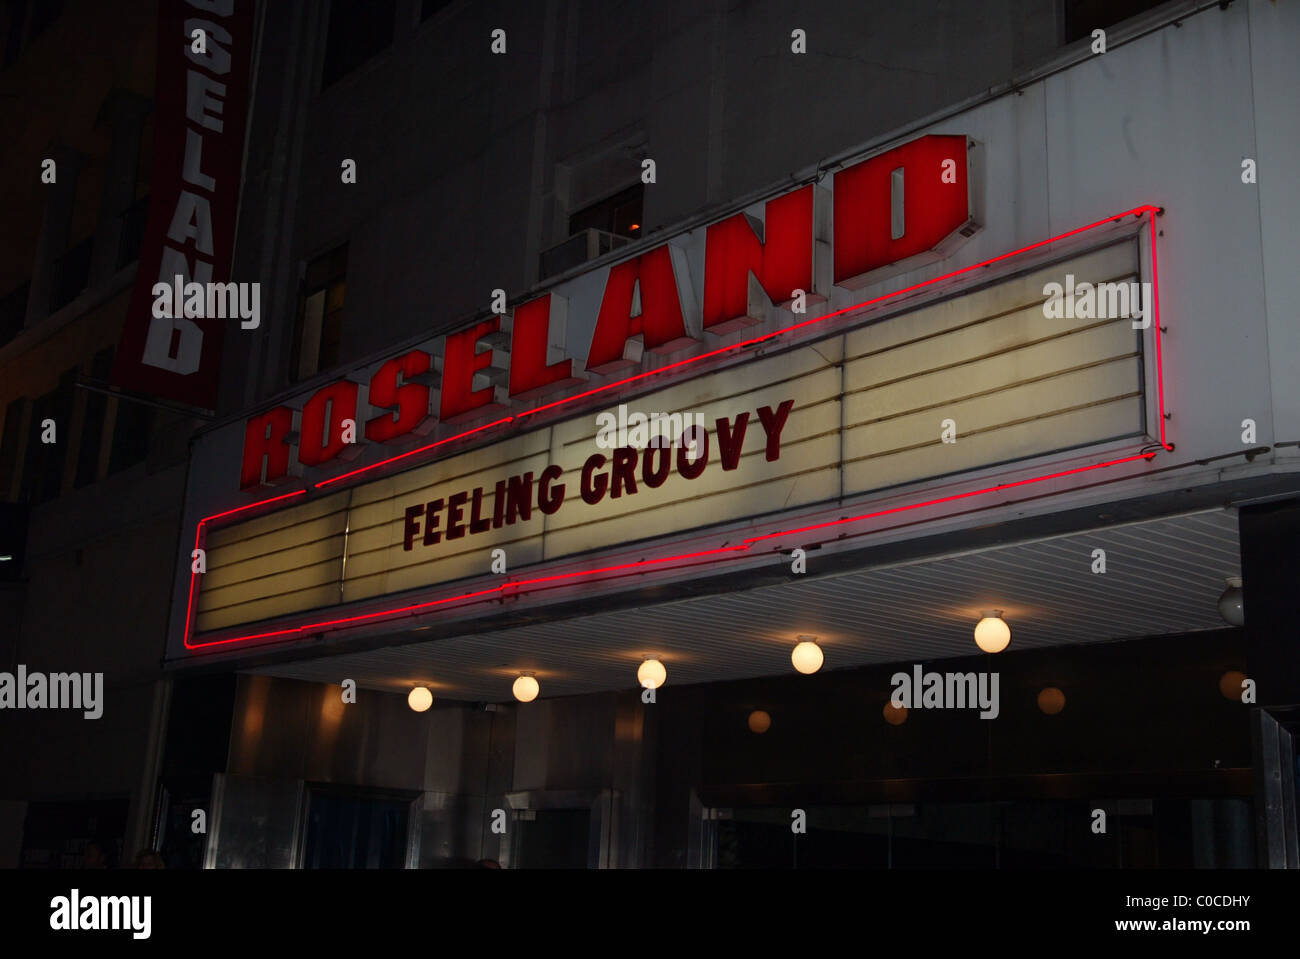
x: 1015, y: 383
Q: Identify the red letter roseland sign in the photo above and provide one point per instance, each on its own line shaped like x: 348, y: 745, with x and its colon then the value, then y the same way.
x: 900, y: 208
x: 200, y: 106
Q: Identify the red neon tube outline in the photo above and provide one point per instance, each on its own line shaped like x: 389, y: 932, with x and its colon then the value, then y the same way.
x: 1160, y: 366
x: 745, y: 545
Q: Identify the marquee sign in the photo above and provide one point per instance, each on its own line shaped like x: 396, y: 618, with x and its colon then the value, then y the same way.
x: 379, y: 494
x: 853, y: 412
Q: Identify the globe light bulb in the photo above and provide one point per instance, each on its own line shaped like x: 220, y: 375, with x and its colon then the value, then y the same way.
x: 1231, y: 605
x: 807, y: 657
x: 894, y: 715
x: 419, y: 699
x: 651, y: 674
x: 1051, y: 700
x: 1231, y: 685
x: 992, y: 634
x: 525, y: 689
x: 759, y: 721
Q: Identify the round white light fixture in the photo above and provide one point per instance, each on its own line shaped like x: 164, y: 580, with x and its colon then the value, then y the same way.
x: 1231, y: 606
x: 992, y: 633
x: 525, y: 688
x: 419, y: 699
x: 651, y: 674
x: 807, y: 656
x: 759, y: 721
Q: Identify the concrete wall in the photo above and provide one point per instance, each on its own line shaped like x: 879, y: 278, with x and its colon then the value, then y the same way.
x: 1275, y: 76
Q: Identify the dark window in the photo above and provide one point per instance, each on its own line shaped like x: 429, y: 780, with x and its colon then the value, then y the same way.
x: 11, y: 445
x: 71, y: 274
x: 13, y: 311
x: 354, y: 829
x: 24, y: 21
x: 92, y: 424
x: 578, y: 249
x: 429, y: 7
x: 358, y: 29
x: 133, y: 221
x: 554, y: 839
x: 178, y: 845
x: 197, y: 743
x: 131, y: 433
x: 595, y: 230
x: 319, y: 330
x: 74, y: 835
x: 43, y: 14
x: 619, y: 214
x: 43, y: 471
x: 15, y: 14
x: 1084, y: 16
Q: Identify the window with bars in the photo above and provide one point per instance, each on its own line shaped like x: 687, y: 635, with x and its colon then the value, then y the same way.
x: 619, y: 214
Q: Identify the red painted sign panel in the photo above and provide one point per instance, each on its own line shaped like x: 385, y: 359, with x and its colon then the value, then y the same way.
x: 200, y: 108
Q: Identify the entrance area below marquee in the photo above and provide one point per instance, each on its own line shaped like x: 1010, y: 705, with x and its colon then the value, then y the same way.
x: 1098, y: 741
x: 1144, y: 767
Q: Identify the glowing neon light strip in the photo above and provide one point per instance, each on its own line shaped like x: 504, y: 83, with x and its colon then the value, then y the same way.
x: 1160, y: 366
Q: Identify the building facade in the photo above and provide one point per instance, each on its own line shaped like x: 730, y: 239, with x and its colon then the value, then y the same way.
x: 660, y: 416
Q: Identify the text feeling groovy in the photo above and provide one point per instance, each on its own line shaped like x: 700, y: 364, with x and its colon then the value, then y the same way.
x: 623, y: 473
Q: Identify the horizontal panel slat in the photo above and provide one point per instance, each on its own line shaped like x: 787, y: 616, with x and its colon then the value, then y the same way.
x: 269, y: 607
x: 978, y: 420
x: 1113, y: 419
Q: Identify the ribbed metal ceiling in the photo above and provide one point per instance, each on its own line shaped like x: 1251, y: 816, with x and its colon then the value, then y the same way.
x: 1162, y: 576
